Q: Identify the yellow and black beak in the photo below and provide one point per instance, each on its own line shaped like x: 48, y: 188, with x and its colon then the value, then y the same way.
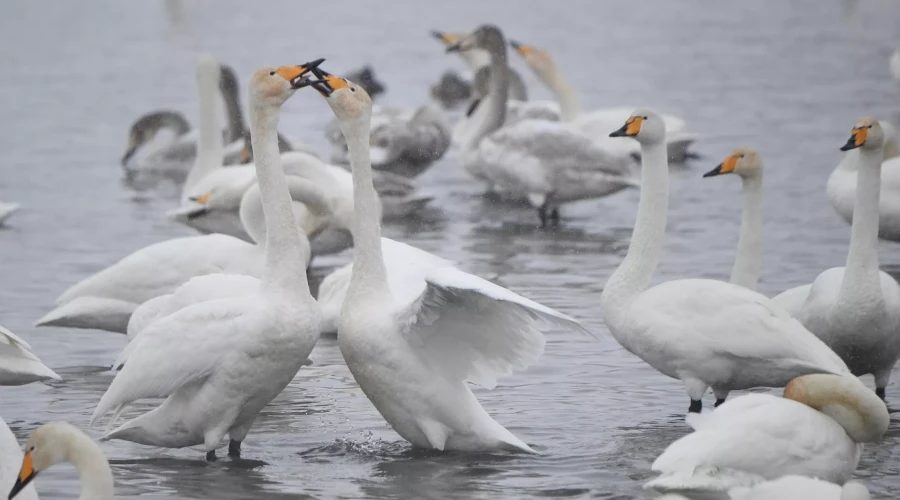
x: 857, y: 138
x: 246, y: 155
x: 26, y: 475
x: 726, y: 167
x: 520, y: 48
x: 630, y: 129
x: 296, y: 75
x: 445, y: 38
x: 327, y: 83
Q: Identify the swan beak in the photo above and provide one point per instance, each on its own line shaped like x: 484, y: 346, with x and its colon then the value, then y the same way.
x: 327, y: 83
x: 630, y: 129
x: 520, y: 48
x: 128, y: 154
x: 245, y: 154
x: 297, y: 74
x: 26, y: 475
x: 202, y: 199
x: 445, y: 38
x: 857, y: 138
x: 726, y: 167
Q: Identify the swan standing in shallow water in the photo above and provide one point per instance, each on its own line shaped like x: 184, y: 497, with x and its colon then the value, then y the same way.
x: 706, y: 333
x: 19, y: 364
x: 546, y: 162
x: 597, y: 124
x: 842, y: 182
x: 800, y: 487
x: 58, y: 442
x: 745, y: 163
x: 219, y: 362
x: 856, y: 309
x: 816, y: 430
x: 413, y: 353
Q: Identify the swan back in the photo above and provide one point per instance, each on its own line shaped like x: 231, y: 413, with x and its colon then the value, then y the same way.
x: 846, y: 400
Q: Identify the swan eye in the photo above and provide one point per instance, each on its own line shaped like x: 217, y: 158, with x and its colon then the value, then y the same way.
x: 271, y: 73
x: 742, y: 155
x: 352, y: 89
x: 645, y: 118
x: 869, y: 126
x: 32, y: 448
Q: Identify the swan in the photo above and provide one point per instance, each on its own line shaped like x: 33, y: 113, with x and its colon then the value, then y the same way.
x: 413, y: 353
x: 745, y: 163
x: 856, y: 309
x: 478, y: 61
x: 107, y: 299
x: 706, y: 333
x: 18, y: 363
x: 57, y: 442
x: 10, y: 463
x: 816, y: 430
x: 841, y: 188
x: 796, y: 487
x: 219, y: 362
x: 365, y: 76
x: 548, y: 163
x: 6, y: 210
x: 597, y: 124
x: 451, y: 90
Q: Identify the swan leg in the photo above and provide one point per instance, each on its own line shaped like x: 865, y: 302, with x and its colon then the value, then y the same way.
x: 211, y: 456
x: 882, y: 379
x: 542, y: 214
x: 554, y: 215
x: 234, y: 449
x: 695, y: 389
x: 696, y: 406
x: 721, y: 396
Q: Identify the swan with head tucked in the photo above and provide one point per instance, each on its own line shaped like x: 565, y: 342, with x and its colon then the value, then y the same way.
x: 816, y: 430
x: 797, y: 487
x: 745, y: 163
x: 546, y: 162
x: 597, y: 124
x: 107, y: 299
x: 19, y: 364
x: 59, y: 442
x: 219, y: 362
x: 856, y: 309
x: 706, y: 333
x: 413, y: 349
x: 841, y: 188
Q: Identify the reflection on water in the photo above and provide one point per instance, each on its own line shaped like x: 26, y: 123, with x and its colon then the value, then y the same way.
x: 786, y: 77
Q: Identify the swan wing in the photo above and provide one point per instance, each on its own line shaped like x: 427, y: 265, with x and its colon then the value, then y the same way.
x: 475, y: 330
x: 793, y: 300
x: 18, y: 363
x: 11, y: 463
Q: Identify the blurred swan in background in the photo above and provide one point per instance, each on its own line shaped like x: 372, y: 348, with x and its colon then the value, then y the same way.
x: 546, y: 162
x: 816, y: 430
x: 19, y: 364
x: 856, y: 309
x: 894, y: 65
x: 597, y: 124
x: 6, y: 210
x: 841, y: 188
x: 478, y: 61
x: 800, y: 487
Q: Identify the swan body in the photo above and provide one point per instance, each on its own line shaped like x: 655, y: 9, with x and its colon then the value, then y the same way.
x: 10, y: 463
x: 219, y: 362
x: 704, y: 332
x: 6, y: 210
x: 816, y: 430
x: 413, y: 353
x: 18, y: 363
x: 796, y: 487
x: 856, y: 309
x: 841, y: 187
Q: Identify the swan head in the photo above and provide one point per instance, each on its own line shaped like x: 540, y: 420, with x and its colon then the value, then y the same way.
x: 272, y: 86
x: 48, y: 445
x: 537, y: 59
x: 348, y: 100
x: 644, y: 125
x: 846, y: 400
x: 866, y: 134
x: 744, y: 162
x: 487, y: 37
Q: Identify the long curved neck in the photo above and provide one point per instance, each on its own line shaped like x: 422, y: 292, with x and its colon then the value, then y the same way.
x: 92, y: 466
x: 210, y: 150
x: 475, y: 59
x: 492, y: 111
x: 636, y: 270
x: 861, y: 277
x: 368, y: 261
x: 748, y: 261
x: 285, y: 264
x: 569, y: 105
x: 236, y: 128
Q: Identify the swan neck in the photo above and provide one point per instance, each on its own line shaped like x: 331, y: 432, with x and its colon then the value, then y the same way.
x: 210, y: 149
x: 494, y: 102
x: 475, y: 59
x: 569, y: 106
x: 92, y: 466
x: 252, y: 217
x: 285, y: 263
x: 748, y: 261
x: 236, y: 128
x: 368, y: 262
x: 636, y: 270
x: 861, y: 276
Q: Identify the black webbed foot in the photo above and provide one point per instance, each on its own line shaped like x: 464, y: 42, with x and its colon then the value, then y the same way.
x: 234, y: 449
x: 696, y: 406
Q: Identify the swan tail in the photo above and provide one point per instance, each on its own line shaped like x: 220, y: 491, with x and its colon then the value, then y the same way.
x: 92, y: 313
x: 702, y: 479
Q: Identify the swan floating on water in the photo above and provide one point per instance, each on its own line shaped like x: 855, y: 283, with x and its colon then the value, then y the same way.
x: 58, y: 442
x: 219, y: 362
x: 799, y: 487
x: 413, y: 349
x: 706, y: 333
x: 19, y: 364
x: 856, y: 309
x: 816, y: 430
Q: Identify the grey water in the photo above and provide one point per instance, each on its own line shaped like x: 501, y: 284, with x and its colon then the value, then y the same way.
x: 788, y: 78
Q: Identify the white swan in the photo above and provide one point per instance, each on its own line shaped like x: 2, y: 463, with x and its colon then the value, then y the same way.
x: 219, y: 362
x: 107, y: 299
x: 413, y: 353
x: 6, y: 210
x: 841, y: 188
x: 706, y: 333
x: 816, y: 430
x: 797, y: 487
x: 11, y: 463
x: 745, y: 163
x: 597, y: 124
x: 546, y: 162
x: 18, y: 363
x: 856, y: 309
x: 58, y: 442
x: 478, y: 61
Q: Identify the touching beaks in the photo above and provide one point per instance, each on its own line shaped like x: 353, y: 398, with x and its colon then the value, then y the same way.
x: 26, y: 475
x: 326, y: 83
x: 297, y: 75
x: 857, y: 138
x: 630, y: 129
